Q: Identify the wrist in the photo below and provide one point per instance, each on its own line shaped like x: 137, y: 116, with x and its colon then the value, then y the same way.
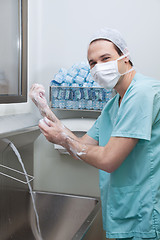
x: 75, y: 148
x: 44, y: 110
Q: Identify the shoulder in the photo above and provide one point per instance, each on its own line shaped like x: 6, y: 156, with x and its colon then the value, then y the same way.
x: 143, y: 87
x: 140, y: 83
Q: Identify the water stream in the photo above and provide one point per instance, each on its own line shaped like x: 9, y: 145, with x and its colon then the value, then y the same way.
x: 37, y: 233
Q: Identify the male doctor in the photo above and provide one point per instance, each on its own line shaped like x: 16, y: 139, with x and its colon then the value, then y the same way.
x: 124, y: 142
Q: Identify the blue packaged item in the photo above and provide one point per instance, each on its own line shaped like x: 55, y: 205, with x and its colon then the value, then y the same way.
x: 55, y: 103
x: 67, y: 93
x: 101, y: 105
x: 96, y: 91
x: 101, y: 94
x: 65, y: 84
x: 55, y: 83
x: 82, y: 104
x: 63, y: 71
x: 83, y: 65
x: 68, y: 79
x: 83, y: 73
x: 85, y: 93
x: 59, y: 78
x: 89, y: 93
x: 93, y: 94
x: 61, y: 104
x: 72, y: 72
x: 61, y: 94
x: 96, y: 105
x: 79, y: 80
x: 89, y: 85
x: 55, y: 93
x: 85, y: 84
x: 75, y: 85
x: 89, y: 104
x: 95, y: 84
x: 78, y: 94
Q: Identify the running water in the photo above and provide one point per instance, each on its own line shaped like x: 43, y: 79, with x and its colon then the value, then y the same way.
x: 38, y: 234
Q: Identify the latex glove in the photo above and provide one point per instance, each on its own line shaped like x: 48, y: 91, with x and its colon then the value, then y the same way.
x: 37, y: 94
x: 53, y: 131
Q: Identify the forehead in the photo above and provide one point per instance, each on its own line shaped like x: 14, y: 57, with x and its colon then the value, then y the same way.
x: 100, y: 47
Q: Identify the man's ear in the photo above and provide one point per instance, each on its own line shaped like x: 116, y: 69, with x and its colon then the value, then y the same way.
x: 126, y: 60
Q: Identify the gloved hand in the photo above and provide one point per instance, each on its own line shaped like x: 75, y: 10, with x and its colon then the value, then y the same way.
x: 54, y: 132
x: 37, y: 94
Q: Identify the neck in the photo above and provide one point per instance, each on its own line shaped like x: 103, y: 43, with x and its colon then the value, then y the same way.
x: 124, y: 83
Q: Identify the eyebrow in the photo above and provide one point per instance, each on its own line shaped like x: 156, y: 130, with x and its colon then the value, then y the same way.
x: 105, y: 55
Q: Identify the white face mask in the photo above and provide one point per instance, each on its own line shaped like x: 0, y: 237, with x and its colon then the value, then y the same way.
x: 107, y: 74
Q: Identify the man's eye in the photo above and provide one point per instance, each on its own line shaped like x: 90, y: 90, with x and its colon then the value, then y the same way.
x: 92, y: 64
x: 105, y: 59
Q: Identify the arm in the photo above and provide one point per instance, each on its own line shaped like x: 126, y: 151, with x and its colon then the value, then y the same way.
x: 107, y: 158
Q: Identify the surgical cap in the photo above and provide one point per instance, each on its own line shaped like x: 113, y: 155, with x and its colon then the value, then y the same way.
x: 112, y: 35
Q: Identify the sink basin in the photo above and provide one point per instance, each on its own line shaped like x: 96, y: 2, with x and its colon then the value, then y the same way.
x: 61, y: 216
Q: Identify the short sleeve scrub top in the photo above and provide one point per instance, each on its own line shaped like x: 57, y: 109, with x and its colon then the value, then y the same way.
x: 130, y: 196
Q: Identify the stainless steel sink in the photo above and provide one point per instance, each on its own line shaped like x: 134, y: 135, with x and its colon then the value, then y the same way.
x: 61, y: 216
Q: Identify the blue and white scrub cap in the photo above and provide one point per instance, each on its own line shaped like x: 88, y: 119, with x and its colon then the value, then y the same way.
x: 112, y: 35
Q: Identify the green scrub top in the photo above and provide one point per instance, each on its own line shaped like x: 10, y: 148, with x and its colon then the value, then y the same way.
x: 130, y: 195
